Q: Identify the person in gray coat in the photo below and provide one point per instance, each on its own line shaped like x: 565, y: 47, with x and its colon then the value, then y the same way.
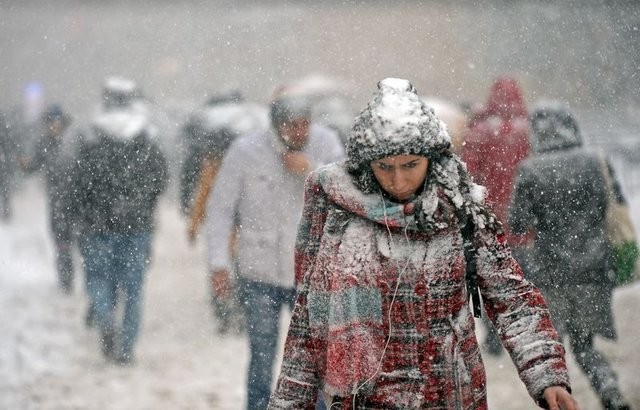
x: 560, y: 194
x: 259, y: 189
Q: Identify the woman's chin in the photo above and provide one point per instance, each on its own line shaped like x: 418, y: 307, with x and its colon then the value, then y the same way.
x: 402, y: 197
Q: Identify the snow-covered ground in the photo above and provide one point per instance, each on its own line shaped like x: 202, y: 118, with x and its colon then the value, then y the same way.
x: 49, y: 360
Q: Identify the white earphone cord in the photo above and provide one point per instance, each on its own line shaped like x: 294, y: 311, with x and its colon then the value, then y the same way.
x: 393, y: 299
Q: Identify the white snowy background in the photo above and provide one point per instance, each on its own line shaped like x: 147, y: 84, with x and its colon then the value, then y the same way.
x: 179, y: 51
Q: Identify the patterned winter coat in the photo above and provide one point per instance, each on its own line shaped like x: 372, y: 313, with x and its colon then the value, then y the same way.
x: 382, y: 319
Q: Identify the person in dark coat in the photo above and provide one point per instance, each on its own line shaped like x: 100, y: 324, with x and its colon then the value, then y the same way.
x: 54, y: 156
x: 560, y: 193
x: 196, y: 135
x: 119, y: 177
x: 220, y: 124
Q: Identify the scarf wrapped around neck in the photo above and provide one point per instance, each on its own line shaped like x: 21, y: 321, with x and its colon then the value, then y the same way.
x: 342, y: 285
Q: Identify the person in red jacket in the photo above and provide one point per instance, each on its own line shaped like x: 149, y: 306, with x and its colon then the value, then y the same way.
x: 497, y: 141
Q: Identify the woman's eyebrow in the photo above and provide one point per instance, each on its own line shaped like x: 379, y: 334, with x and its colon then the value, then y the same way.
x: 380, y: 163
x: 413, y: 161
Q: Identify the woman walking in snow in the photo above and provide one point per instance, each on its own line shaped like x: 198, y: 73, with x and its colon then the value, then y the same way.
x: 382, y: 318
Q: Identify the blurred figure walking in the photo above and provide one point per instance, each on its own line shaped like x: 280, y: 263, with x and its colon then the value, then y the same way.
x: 54, y: 155
x: 119, y: 176
x: 195, y: 135
x: 497, y: 141
x: 560, y: 193
x: 8, y: 151
x: 212, y: 129
x: 259, y: 189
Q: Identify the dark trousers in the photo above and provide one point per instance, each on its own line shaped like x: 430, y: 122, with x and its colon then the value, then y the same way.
x: 63, y: 240
x: 574, y: 316
x: 601, y: 376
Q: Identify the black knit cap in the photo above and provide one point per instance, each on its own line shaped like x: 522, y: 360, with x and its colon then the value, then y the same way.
x: 395, y: 122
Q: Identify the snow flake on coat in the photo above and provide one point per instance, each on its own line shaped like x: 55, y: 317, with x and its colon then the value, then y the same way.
x: 382, y: 318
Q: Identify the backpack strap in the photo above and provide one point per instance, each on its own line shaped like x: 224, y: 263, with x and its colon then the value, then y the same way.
x: 471, y: 275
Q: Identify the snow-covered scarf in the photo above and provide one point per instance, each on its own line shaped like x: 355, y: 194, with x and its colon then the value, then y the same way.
x: 447, y: 177
x: 343, y: 309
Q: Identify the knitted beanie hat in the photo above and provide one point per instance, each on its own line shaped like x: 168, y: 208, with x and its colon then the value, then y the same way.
x: 395, y: 122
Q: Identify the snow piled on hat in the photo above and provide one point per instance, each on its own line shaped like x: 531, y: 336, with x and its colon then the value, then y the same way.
x: 395, y: 122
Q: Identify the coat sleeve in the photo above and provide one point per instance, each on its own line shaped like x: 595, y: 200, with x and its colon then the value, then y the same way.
x: 298, y: 382
x: 37, y: 162
x: 519, y: 313
x: 207, y: 175
x: 310, y: 227
x: 80, y: 182
x: 222, y: 206
x: 157, y: 172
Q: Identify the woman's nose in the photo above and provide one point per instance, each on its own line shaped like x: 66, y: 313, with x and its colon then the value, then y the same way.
x: 397, y: 179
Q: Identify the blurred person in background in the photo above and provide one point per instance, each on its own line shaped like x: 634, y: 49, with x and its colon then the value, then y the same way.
x: 215, y: 127
x: 119, y: 176
x: 328, y: 100
x: 259, y: 190
x: 497, y: 141
x: 8, y: 161
x: 54, y: 155
x: 22, y: 128
x: 194, y: 135
x: 560, y: 194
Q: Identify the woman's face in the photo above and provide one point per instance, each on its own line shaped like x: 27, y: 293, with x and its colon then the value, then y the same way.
x: 400, y: 175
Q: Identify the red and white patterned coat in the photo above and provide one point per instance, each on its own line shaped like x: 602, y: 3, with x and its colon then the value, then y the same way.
x: 381, y: 318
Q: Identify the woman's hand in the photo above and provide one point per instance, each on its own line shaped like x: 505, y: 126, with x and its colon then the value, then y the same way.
x: 558, y: 398
x: 296, y: 163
